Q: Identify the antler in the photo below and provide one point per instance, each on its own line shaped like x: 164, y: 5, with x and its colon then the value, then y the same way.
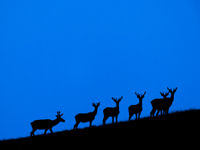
x: 164, y: 94
x: 175, y: 88
x: 120, y: 98
x: 58, y: 113
x: 137, y: 94
x: 170, y: 90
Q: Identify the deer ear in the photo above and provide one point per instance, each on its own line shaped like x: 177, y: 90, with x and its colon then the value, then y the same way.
x: 161, y: 94
x: 93, y: 104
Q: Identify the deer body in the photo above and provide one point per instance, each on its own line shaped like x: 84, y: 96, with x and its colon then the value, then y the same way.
x: 86, y: 117
x: 46, y: 124
x: 136, y: 109
x: 112, y: 111
x: 164, y: 104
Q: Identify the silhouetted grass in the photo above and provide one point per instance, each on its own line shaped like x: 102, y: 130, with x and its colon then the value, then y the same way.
x: 166, y: 130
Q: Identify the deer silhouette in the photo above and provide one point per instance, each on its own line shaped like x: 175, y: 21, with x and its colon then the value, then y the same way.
x: 136, y: 109
x: 162, y: 104
x: 164, y: 95
x: 112, y: 111
x: 46, y: 124
x: 86, y: 117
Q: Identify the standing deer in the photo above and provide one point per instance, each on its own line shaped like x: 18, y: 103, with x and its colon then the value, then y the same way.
x: 46, y: 124
x: 164, y: 95
x: 136, y: 109
x: 86, y: 117
x: 164, y: 104
x: 112, y: 111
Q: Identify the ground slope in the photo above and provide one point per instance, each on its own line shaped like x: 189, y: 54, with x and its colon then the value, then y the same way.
x: 180, y: 128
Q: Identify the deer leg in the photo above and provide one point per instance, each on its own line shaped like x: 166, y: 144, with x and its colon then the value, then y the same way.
x: 139, y: 115
x: 76, y: 125
x: 33, y: 131
x: 90, y: 123
x: 152, y: 112
x: 136, y: 116
x: 104, y: 120
x: 157, y: 113
x: 167, y: 111
x: 162, y: 112
x: 130, y: 115
x: 116, y: 118
x: 45, y: 132
x: 112, y: 119
x: 51, y: 130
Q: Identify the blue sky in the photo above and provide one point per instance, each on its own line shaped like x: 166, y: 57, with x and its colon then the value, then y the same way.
x: 65, y: 55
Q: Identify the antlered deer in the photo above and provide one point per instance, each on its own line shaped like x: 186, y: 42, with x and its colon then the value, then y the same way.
x: 164, y: 95
x: 46, y: 124
x: 136, y: 109
x: 112, y: 111
x: 164, y: 104
x: 86, y: 117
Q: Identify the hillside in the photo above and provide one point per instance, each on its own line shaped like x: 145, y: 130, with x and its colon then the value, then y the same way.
x: 178, y: 126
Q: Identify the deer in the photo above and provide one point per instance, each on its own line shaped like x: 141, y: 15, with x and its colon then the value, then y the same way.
x: 136, y: 109
x: 46, y: 124
x: 86, y: 117
x: 164, y: 95
x: 163, y: 104
x: 112, y: 111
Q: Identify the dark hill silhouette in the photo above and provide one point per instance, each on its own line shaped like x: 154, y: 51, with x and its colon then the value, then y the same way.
x: 179, y: 128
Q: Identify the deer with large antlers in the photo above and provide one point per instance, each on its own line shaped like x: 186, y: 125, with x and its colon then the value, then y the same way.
x: 163, y: 104
x: 136, y: 109
x: 86, y: 117
x: 112, y: 111
x: 46, y: 124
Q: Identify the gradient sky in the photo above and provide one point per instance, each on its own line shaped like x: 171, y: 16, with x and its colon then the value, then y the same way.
x: 65, y: 55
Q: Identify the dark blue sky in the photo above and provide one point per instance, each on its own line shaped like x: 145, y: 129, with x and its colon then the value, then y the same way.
x: 65, y: 55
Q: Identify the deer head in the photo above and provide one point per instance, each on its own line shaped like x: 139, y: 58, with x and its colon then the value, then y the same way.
x: 172, y: 91
x: 95, y: 105
x: 164, y: 95
x: 140, y: 96
x: 117, y: 100
x: 59, y: 115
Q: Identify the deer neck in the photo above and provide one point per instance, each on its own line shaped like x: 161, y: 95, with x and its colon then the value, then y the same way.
x: 55, y: 122
x: 117, y: 107
x: 140, y: 103
x: 95, y: 111
x: 172, y: 97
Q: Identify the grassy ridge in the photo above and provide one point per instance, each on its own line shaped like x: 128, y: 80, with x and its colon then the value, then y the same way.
x: 178, y: 125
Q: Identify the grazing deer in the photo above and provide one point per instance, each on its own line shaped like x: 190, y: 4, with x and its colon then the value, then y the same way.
x: 136, y: 109
x: 46, y: 124
x: 112, y: 111
x: 163, y: 104
x: 86, y: 117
